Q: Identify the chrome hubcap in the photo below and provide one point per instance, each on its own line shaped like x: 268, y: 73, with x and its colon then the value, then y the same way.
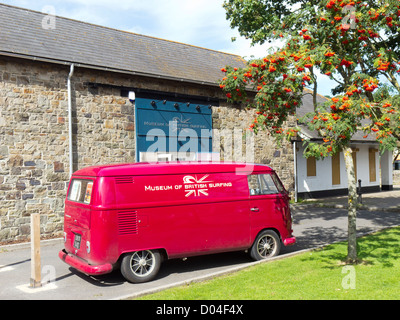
x: 142, y: 263
x: 266, y: 246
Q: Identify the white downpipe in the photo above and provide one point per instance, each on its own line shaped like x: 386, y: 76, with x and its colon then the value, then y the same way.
x: 71, y: 157
x: 296, y: 190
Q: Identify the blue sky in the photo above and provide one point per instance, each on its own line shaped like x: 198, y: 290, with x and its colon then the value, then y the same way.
x: 197, y: 22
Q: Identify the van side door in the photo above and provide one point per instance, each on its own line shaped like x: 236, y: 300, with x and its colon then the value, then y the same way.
x: 267, y: 203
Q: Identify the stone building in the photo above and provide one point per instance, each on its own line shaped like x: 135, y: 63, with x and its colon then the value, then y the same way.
x: 54, y: 69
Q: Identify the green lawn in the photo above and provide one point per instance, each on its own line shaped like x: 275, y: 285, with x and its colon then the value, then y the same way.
x: 314, y: 275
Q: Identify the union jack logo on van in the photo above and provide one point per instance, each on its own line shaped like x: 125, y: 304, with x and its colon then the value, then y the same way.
x: 196, y: 187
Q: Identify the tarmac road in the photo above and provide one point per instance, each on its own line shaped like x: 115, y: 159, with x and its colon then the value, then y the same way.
x: 312, y: 227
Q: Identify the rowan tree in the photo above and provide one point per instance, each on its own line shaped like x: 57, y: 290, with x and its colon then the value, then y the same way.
x: 354, y: 43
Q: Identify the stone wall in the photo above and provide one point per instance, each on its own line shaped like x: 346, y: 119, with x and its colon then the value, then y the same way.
x: 34, y: 145
x: 396, y: 177
x: 266, y: 150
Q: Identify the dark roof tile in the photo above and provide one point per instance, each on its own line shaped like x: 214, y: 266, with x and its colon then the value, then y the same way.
x: 72, y: 41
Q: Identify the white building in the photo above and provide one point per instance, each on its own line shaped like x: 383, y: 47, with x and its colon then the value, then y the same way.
x: 328, y: 177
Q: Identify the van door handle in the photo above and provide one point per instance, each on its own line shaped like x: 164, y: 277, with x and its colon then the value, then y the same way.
x: 255, y: 209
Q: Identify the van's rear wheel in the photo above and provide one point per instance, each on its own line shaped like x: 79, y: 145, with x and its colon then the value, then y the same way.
x: 141, y: 266
x: 267, y: 245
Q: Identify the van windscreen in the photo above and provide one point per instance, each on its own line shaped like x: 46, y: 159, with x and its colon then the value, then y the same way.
x: 81, y: 190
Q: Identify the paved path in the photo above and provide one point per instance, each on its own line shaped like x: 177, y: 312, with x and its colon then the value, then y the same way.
x: 385, y: 200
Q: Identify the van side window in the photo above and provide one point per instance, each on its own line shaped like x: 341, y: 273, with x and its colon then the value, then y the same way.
x: 260, y: 184
x: 81, y: 191
x: 278, y: 183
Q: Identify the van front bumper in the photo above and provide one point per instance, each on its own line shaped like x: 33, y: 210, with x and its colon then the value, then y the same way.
x: 289, y: 241
x: 84, y: 266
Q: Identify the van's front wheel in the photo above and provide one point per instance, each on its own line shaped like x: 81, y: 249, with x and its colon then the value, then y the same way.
x: 267, y: 245
x: 140, y: 266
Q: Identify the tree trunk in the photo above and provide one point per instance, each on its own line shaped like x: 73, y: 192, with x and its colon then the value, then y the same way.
x: 352, y: 211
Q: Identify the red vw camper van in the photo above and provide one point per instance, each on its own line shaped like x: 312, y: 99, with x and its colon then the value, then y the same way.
x: 135, y: 215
